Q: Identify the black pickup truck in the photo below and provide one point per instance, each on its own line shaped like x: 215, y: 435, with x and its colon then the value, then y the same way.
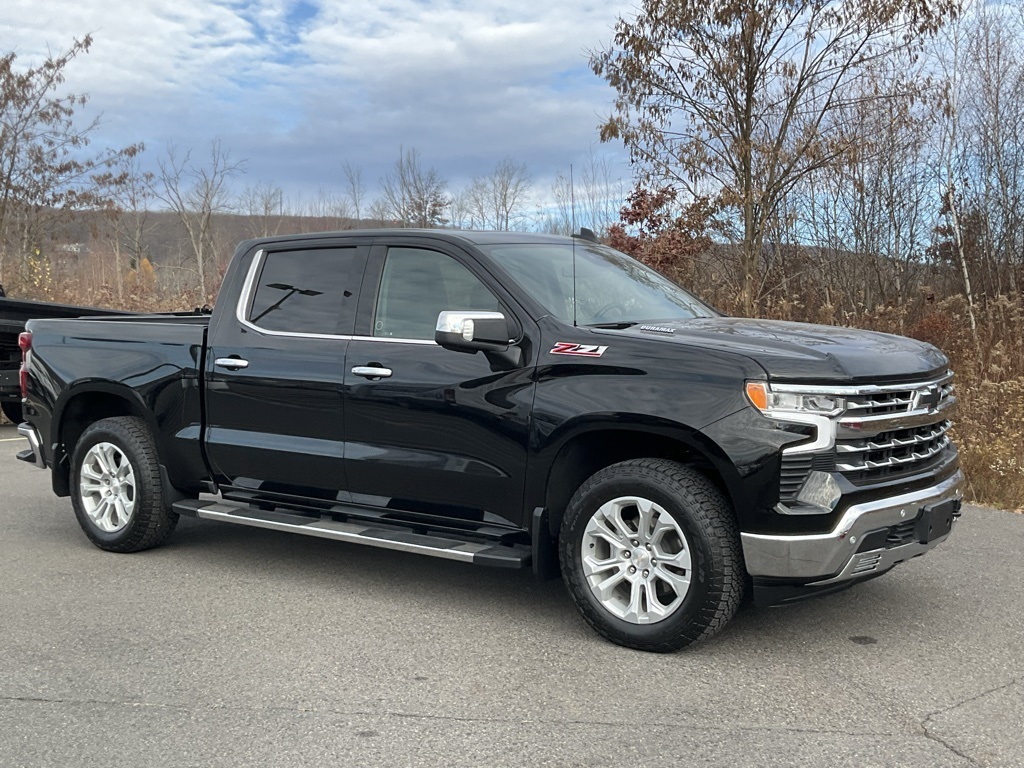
x: 14, y: 314
x: 506, y: 400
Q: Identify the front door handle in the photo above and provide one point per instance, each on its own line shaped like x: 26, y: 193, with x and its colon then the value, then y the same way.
x: 231, y: 363
x: 372, y: 371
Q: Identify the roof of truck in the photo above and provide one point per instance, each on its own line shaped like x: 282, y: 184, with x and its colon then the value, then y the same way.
x: 468, y: 236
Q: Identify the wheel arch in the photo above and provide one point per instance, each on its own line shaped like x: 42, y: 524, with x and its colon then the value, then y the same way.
x: 85, y: 404
x: 598, y: 444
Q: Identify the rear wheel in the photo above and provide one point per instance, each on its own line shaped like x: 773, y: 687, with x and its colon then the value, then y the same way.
x: 117, y: 490
x: 650, y: 553
x: 12, y: 411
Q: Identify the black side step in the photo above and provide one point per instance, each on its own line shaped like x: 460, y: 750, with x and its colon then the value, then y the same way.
x: 385, y: 537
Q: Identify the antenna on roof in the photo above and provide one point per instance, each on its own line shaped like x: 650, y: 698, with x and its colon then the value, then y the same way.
x: 572, y: 199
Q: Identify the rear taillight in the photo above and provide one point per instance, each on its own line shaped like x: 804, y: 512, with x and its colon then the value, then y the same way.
x: 25, y: 345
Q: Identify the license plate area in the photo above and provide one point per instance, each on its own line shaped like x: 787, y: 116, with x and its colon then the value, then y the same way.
x: 936, y: 520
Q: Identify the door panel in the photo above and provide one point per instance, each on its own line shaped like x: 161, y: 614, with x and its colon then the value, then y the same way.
x: 446, y: 433
x: 277, y: 424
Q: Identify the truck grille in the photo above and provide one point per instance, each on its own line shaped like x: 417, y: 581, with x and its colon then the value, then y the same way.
x: 902, y: 450
x: 900, y: 401
x: 885, y: 432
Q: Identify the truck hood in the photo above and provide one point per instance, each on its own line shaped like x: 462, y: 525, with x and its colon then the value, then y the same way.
x: 805, y: 352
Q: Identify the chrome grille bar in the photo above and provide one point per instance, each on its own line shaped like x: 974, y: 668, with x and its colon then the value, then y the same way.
x: 896, y: 461
x: 914, y: 438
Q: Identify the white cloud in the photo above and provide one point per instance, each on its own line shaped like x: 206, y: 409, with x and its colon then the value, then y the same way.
x: 299, y: 88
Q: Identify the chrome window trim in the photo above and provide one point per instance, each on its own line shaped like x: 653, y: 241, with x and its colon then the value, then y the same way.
x: 249, y: 286
x: 867, y: 389
x: 395, y: 340
x: 246, y: 295
x: 243, y: 304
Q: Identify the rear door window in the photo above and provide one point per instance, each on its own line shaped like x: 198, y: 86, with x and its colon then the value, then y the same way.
x: 310, y: 291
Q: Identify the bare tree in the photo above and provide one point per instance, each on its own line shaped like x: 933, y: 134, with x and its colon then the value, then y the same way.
x: 128, y: 190
x: 354, y: 188
x: 991, y: 110
x: 45, y: 172
x: 327, y: 211
x: 587, y: 195
x: 953, y: 159
x: 411, y: 195
x: 460, y: 211
x: 496, y: 201
x: 263, y: 207
x: 559, y: 218
x: 875, y: 201
x: 736, y: 93
x: 197, y: 194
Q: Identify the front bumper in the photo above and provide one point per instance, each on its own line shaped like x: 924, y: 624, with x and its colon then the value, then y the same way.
x: 827, y: 560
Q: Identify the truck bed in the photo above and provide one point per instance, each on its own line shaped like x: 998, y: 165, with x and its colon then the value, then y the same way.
x: 155, y: 360
x: 14, y: 314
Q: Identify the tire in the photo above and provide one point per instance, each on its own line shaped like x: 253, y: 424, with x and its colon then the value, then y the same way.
x: 12, y: 411
x: 116, y: 487
x: 650, y: 509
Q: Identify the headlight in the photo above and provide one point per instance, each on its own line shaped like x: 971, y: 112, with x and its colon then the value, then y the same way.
x: 772, y: 403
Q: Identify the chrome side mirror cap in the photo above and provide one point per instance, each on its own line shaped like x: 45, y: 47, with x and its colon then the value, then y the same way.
x: 472, y: 331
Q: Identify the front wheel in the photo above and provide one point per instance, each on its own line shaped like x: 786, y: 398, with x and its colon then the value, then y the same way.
x: 117, y: 490
x: 650, y: 553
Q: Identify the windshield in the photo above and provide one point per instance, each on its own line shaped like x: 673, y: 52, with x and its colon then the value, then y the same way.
x: 611, y: 288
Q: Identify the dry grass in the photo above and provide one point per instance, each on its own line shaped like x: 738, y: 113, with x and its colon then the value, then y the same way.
x: 989, y: 425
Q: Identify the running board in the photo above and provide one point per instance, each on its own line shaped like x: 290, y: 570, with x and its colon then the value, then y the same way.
x: 383, y: 537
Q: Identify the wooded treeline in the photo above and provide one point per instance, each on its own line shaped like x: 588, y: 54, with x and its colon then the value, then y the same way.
x: 826, y: 160
x: 841, y: 162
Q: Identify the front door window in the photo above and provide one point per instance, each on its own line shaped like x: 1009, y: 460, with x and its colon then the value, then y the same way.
x: 417, y: 285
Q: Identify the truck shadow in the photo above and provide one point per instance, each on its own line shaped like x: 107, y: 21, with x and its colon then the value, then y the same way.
x: 857, y: 617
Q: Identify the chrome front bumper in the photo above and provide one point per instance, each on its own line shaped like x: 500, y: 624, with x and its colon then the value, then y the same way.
x: 829, y: 558
x: 35, y: 453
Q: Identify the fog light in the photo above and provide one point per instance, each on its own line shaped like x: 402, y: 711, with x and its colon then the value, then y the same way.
x: 819, y: 490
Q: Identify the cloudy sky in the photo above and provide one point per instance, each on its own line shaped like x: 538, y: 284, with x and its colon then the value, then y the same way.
x: 299, y: 87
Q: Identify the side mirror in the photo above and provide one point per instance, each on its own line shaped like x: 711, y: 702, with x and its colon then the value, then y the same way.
x: 470, y: 331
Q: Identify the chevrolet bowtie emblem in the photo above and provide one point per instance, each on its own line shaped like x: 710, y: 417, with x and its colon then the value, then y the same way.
x: 927, y: 398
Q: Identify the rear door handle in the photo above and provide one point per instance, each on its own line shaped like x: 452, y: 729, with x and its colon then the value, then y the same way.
x: 372, y: 371
x: 231, y: 363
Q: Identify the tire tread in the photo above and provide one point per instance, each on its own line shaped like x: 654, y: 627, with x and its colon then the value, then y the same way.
x: 152, y: 522
x: 710, y: 511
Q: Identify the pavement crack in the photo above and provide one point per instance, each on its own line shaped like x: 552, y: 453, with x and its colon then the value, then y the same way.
x: 436, y: 717
x: 657, y: 724
x: 928, y: 719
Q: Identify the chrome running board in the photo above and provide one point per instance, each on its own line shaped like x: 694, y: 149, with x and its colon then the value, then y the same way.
x: 399, y: 538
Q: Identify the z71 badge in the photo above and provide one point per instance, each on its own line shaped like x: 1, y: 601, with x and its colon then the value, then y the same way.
x: 580, y: 350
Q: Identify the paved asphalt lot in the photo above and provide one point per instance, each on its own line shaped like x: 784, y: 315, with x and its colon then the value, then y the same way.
x: 234, y: 646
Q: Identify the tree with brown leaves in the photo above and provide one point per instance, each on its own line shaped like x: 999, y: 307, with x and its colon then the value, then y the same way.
x: 44, y: 169
x: 730, y: 98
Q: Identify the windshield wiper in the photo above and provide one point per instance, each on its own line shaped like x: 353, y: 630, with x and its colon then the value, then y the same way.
x: 614, y: 326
